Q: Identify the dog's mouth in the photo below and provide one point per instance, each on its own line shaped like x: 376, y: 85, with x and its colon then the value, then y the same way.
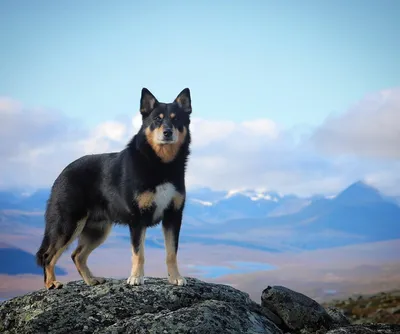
x: 166, y: 141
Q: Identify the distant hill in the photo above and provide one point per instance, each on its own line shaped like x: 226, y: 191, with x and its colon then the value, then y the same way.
x: 15, y: 261
x: 357, y: 214
x: 382, y: 307
x: 257, y: 219
x: 19, y: 200
x: 365, y: 216
x: 359, y: 193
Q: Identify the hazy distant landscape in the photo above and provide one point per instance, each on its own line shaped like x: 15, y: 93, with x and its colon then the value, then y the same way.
x: 293, y: 177
x: 327, y: 247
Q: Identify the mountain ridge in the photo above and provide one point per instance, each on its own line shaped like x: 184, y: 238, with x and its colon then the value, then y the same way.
x: 261, y: 220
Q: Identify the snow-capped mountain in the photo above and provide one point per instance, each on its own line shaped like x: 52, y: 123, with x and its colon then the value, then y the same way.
x: 258, y: 219
x: 359, y: 213
x: 220, y: 206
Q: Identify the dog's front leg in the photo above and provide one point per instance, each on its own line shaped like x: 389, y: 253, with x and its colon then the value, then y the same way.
x: 138, y: 234
x: 171, y: 227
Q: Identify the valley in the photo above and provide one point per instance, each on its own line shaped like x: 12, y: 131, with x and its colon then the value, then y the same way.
x: 326, y: 247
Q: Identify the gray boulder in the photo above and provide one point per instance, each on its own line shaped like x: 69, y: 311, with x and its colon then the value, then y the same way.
x: 115, y: 307
x: 298, y: 312
x: 338, y: 316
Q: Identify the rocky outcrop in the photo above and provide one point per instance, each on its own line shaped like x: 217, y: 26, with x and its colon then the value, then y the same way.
x: 297, y: 311
x: 383, y: 307
x: 115, y: 307
x: 158, y: 307
x: 368, y: 329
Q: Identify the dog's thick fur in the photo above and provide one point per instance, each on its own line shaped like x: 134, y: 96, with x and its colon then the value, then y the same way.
x: 138, y: 186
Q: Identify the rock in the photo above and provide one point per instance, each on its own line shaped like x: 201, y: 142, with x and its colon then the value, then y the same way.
x: 369, y: 305
x: 367, y: 329
x: 272, y: 316
x: 115, y: 307
x: 338, y: 316
x: 298, y: 312
x: 395, y: 310
x: 159, y: 307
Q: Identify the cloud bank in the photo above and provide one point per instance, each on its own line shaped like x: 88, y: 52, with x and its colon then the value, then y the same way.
x: 370, y: 129
x: 361, y: 143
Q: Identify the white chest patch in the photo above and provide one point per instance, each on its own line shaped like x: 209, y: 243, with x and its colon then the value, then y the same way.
x: 163, y: 196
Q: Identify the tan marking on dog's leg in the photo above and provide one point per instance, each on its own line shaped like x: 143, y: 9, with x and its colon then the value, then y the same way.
x: 51, y: 281
x: 145, y: 199
x: 174, y: 277
x: 82, y: 252
x: 178, y: 200
x: 137, y: 271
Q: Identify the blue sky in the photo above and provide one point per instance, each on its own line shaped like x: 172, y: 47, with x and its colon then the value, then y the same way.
x: 294, y: 61
x: 306, y: 93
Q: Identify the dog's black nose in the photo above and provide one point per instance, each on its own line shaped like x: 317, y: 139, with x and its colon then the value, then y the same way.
x: 167, y: 133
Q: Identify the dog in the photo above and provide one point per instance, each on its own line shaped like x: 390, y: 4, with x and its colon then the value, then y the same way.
x: 139, y: 186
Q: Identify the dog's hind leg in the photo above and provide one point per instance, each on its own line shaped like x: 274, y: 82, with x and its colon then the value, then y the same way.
x: 92, y: 236
x: 58, y: 242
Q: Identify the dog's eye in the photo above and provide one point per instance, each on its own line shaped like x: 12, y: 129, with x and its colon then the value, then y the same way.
x: 157, y: 118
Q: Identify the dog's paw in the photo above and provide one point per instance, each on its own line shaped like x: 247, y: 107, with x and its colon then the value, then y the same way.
x: 95, y: 281
x: 177, y: 280
x: 136, y: 280
x: 54, y: 285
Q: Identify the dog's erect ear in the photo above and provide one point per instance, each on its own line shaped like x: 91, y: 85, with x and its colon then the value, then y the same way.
x: 184, y: 101
x: 147, y: 102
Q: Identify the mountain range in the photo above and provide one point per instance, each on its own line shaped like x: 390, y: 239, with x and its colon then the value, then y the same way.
x: 16, y: 261
x: 253, y: 219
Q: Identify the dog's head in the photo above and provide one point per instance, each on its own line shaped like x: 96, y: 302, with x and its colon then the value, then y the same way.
x: 166, y: 125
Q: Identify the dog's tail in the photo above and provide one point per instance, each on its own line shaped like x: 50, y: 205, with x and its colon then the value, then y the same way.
x: 41, y: 253
x: 41, y: 256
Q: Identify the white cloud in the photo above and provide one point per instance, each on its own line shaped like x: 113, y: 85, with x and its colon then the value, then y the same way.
x: 261, y: 127
x: 256, y: 154
x: 231, y: 133
x: 137, y: 122
x: 386, y: 178
x: 206, y: 132
x: 36, y: 144
x: 369, y: 129
x: 105, y: 137
x: 9, y: 106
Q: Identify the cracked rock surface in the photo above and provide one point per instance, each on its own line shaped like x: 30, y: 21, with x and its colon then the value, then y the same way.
x: 297, y: 311
x: 116, y: 307
x: 159, y: 307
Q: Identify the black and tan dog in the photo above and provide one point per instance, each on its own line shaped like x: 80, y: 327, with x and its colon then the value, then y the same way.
x: 139, y: 186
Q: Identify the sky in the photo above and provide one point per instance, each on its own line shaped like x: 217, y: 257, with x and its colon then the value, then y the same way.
x: 300, y: 97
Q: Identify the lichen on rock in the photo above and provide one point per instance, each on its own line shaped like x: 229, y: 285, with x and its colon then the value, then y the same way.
x: 159, y: 307
x: 115, y: 307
